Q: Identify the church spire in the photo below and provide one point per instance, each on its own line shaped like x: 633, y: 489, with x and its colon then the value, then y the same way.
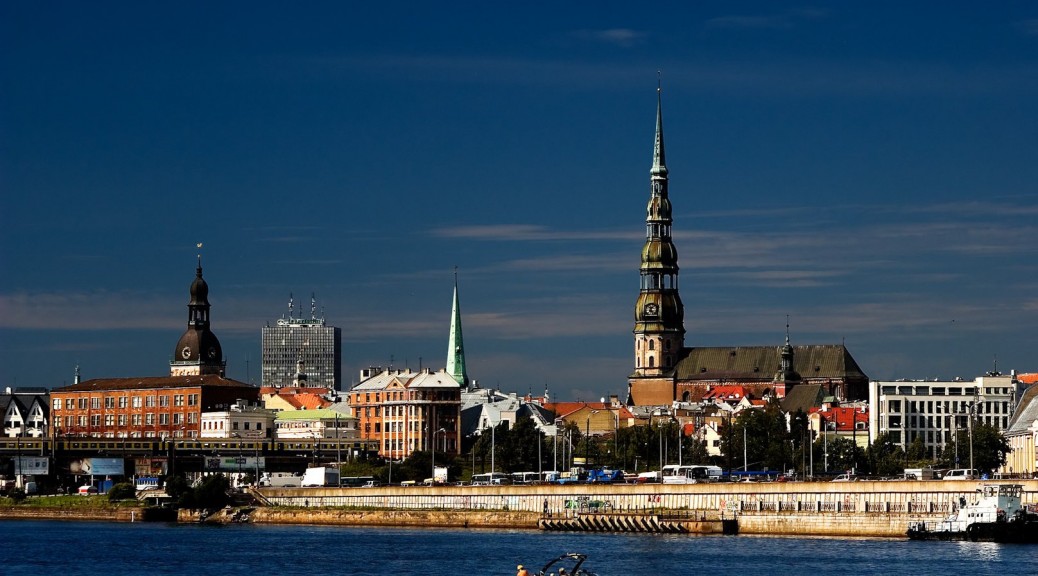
x: 659, y: 156
x: 659, y: 314
x: 456, y: 345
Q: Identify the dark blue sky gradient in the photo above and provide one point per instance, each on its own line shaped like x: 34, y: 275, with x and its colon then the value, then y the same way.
x: 868, y: 169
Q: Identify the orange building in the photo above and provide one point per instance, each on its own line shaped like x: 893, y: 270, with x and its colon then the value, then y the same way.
x: 161, y: 407
x: 407, y: 411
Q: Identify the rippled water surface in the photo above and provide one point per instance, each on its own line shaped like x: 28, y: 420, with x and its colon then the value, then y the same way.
x: 89, y: 549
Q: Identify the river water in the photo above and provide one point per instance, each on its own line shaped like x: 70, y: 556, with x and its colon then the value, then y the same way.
x: 94, y: 549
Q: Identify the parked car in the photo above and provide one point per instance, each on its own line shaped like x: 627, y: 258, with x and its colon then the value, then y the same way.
x: 961, y: 474
x: 846, y: 478
x: 87, y: 490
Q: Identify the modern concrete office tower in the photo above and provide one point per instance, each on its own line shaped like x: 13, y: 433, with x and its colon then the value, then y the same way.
x: 297, y: 344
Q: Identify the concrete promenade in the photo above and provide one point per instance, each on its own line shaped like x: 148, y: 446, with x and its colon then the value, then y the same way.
x: 871, y: 508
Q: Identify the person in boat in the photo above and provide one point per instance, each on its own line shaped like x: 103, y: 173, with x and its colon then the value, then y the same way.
x: 520, y: 571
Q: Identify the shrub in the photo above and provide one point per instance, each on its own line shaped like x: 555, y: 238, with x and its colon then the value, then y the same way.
x: 16, y: 494
x: 122, y: 491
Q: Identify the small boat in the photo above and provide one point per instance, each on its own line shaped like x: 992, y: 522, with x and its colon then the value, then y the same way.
x: 571, y: 563
x: 998, y: 516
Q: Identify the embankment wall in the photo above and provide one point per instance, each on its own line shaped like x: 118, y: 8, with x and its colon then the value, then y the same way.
x: 76, y: 513
x: 795, y: 508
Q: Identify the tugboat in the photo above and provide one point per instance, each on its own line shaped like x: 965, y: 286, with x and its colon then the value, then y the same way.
x: 998, y: 516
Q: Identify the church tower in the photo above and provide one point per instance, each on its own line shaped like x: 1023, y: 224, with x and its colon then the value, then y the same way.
x: 786, y: 377
x: 456, y: 344
x: 198, y: 351
x: 659, y: 330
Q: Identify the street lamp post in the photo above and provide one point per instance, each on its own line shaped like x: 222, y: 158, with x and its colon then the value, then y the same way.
x: 587, y: 439
x: 969, y: 423
x: 432, y: 446
x: 238, y: 436
x: 555, y: 449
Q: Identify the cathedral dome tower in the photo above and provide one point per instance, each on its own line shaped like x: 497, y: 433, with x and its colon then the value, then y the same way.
x: 198, y: 351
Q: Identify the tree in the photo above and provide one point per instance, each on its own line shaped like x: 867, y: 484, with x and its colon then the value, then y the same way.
x: 885, y: 458
x: 176, y: 486
x: 767, y: 440
x: 989, y: 448
x: 209, y: 495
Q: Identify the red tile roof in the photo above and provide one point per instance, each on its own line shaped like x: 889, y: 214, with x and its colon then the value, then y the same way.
x: 845, y: 417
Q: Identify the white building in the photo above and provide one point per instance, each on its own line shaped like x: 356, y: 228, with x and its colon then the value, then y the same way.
x: 240, y: 421
x: 934, y: 410
x: 315, y: 424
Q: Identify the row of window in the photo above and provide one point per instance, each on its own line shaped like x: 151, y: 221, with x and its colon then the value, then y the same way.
x: 949, y: 407
x: 909, y: 390
x: 219, y: 425
x: 395, y: 445
x: 400, y: 396
x: 110, y: 402
x: 148, y: 419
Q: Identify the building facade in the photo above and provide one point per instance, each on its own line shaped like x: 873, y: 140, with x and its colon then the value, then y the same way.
x: 935, y: 410
x: 315, y: 424
x: 306, y: 346
x: 25, y: 412
x: 665, y: 370
x: 1022, y: 436
x: 407, y: 411
x: 240, y: 420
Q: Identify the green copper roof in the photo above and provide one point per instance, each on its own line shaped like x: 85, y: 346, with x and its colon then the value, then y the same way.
x: 456, y: 345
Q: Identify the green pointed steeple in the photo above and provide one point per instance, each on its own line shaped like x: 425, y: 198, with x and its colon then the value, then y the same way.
x: 456, y: 345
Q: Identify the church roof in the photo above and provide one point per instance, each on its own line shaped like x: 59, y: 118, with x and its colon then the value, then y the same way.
x: 819, y: 361
x: 803, y: 397
x: 103, y: 384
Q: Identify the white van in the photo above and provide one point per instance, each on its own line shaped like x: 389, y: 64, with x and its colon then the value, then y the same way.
x: 961, y: 474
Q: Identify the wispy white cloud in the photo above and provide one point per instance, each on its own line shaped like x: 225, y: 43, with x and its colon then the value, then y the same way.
x: 1029, y: 27
x: 623, y: 37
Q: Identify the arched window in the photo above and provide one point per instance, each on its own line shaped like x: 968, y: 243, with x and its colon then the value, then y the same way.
x: 652, y: 344
x: 652, y: 362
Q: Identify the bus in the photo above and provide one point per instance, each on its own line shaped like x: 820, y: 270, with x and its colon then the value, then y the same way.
x: 526, y: 478
x: 356, y: 481
x: 674, y: 474
x: 491, y: 479
x: 691, y: 474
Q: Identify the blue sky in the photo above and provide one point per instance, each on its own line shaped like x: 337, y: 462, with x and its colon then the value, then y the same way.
x: 869, y: 169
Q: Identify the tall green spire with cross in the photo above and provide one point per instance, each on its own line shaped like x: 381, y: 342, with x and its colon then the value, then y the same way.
x: 456, y: 345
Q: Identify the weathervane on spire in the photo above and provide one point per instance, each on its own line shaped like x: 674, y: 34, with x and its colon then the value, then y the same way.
x: 199, y: 246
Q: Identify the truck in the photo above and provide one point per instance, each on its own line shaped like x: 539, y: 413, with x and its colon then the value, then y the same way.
x: 320, y: 476
x: 919, y: 474
x: 605, y: 476
x: 281, y: 480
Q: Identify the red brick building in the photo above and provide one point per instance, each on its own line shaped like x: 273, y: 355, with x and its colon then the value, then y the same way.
x: 169, y: 406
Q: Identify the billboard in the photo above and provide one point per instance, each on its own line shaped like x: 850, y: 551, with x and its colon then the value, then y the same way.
x: 151, y: 466
x: 98, y: 467
x: 234, y: 463
x: 34, y: 465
